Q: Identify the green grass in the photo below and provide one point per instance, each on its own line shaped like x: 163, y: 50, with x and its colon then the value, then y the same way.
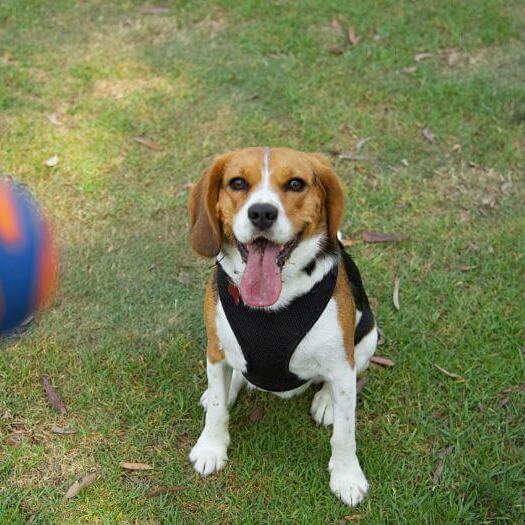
x: 123, y: 342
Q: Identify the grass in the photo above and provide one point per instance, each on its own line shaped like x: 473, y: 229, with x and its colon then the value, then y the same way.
x: 123, y: 342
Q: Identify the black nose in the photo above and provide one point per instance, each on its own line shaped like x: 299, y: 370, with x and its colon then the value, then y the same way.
x: 262, y: 215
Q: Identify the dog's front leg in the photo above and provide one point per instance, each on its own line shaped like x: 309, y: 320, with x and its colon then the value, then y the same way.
x: 210, y: 452
x: 347, y: 480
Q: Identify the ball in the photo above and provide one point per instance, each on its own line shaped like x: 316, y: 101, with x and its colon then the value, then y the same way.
x: 28, y: 257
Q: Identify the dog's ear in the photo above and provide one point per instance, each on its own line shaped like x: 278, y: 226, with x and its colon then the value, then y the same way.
x: 205, y: 228
x: 334, y: 193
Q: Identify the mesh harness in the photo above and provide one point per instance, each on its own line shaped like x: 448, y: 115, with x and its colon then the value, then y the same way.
x: 268, y: 338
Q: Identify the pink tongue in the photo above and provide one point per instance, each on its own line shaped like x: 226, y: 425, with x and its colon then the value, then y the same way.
x: 261, y: 282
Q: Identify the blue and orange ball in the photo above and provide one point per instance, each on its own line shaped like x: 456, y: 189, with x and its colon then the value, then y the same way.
x: 28, y: 257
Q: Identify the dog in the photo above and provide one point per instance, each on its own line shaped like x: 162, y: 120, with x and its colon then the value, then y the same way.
x: 285, y: 306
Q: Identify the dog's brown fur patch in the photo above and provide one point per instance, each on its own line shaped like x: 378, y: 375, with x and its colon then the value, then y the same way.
x: 345, y: 312
x: 214, y: 350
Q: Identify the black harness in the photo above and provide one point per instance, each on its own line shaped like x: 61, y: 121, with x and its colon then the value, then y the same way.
x: 268, y: 338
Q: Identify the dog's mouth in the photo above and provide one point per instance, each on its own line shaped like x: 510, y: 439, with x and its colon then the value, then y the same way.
x: 261, y: 281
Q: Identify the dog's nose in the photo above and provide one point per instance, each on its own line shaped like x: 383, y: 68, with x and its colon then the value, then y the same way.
x: 262, y: 216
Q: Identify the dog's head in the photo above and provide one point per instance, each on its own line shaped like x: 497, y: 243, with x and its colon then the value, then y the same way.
x: 266, y: 202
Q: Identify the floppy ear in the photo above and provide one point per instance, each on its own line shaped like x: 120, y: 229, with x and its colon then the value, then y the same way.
x: 205, y: 228
x: 334, y: 193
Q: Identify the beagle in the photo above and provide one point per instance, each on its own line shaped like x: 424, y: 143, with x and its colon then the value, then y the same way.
x: 285, y: 306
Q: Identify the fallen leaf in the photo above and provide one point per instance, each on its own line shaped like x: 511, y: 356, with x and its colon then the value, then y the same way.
x: 80, y: 484
x: 383, y: 361
x: 61, y: 430
x: 257, y: 414
x: 445, y: 452
x: 165, y: 490
x: 361, y: 383
x: 350, y: 155
x: 428, y: 135
x: 516, y: 388
x: 360, y: 143
x: 395, y: 294
x: 409, y: 70
x: 51, y: 162
x: 450, y: 374
x: 369, y: 236
x: 504, y: 402
x: 352, y: 36
x: 381, y: 340
x: 336, y: 50
x: 129, y: 465
x: 155, y: 10
x: 419, y: 57
x: 53, y: 119
x: 335, y: 23
x: 456, y: 147
x: 53, y: 397
x: 439, y: 470
x: 352, y: 517
x: 350, y: 242
x: 463, y: 267
x: 506, y: 186
x: 148, y: 143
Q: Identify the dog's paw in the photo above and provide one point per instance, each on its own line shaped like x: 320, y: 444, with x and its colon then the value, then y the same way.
x: 322, y: 409
x: 350, y: 485
x: 209, y: 455
x: 203, y: 402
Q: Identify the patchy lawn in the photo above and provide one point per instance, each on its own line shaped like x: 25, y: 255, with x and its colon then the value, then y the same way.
x: 123, y: 343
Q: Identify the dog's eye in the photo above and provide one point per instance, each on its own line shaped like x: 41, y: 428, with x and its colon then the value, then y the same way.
x: 295, y: 185
x: 238, y: 184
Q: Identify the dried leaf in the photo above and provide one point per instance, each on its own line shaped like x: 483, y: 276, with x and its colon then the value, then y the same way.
x: 155, y: 10
x: 361, y: 383
x: 445, y: 452
x: 449, y: 374
x: 463, y: 267
x: 409, y: 70
x: 53, y: 119
x: 504, y: 402
x: 352, y: 36
x: 53, y: 397
x: 335, y: 23
x: 257, y: 414
x: 383, y: 237
x: 395, y: 294
x: 51, y: 162
x: 506, y: 186
x: 130, y: 465
x: 165, y: 490
x: 336, y: 50
x: 350, y: 242
x: 439, y: 470
x: 350, y: 155
x: 148, y: 143
x: 428, y: 135
x: 61, y: 430
x: 383, y: 361
x: 80, y: 484
x: 361, y: 143
x: 515, y: 388
x: 352, y: 517
x: 419, y: 57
